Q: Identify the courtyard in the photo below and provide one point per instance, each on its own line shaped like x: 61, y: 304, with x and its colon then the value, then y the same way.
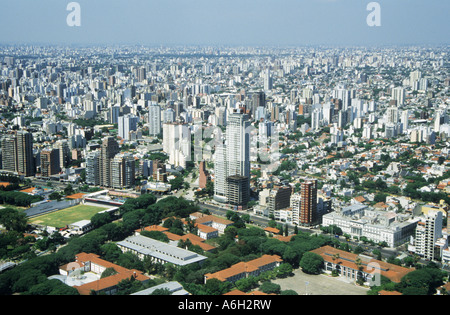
x: 305, y: 284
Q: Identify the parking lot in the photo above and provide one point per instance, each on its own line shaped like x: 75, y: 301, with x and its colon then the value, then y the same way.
x: 319, y: 285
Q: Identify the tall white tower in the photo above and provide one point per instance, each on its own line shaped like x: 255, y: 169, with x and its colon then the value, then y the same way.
x: 233, y: 158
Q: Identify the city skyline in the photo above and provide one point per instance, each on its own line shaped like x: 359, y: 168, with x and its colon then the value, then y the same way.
x: 248, y: 23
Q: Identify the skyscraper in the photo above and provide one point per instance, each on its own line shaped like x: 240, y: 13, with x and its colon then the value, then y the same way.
x: 428, y: 231
x: 154, y: 119
x: 123, y: 171
x: 109, y: 149
x: 238, y: 144
x: 177, y: 143
x: 9, y: 153
x: 258, y: 100
x: 233, y: 159
x: 92, y: 168
x: 398, y: 94
x: 308, y: 207
x: 25, y: 159
x: 268, y: 81
x: 127, y: 123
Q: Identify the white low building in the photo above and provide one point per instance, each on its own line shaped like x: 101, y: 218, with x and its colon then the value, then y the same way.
x: 378, y: 226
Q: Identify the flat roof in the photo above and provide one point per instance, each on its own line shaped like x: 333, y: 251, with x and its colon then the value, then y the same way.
x: 161, y: 250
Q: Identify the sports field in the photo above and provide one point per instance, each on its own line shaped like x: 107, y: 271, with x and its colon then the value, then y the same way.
x: 67, y: 216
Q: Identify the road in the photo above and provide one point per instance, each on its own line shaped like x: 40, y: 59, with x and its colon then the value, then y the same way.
x: 263, y: 222
x: 260, y: 221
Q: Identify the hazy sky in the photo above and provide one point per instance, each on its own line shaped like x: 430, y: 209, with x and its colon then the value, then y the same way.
x: 225, y: 22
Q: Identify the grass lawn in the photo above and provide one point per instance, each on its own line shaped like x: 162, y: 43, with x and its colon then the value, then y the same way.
x: 67, y: 216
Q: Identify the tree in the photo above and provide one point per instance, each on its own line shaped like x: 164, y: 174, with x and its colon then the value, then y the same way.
x: 217, y: 287
x: 311, y: 263
x: 270, y: 287
x: 13, y: 220
x: 68, y: 190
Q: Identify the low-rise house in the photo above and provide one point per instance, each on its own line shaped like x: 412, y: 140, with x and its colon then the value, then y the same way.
x: 212, y: 221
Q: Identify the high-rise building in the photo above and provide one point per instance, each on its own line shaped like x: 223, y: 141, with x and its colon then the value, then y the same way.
x: 398, y: 94
x: 238, y: 144
x: 258, y: 100
x: 238, y: 193
x: 93, y: 168
x: 126, y: 124
x: 64, y: 153
x: 308, y: 208
x: 123, y: 171
x: 279, y: 198
x: 428, y: 231
x: 50, y: 162
x: 109, y: 149
x: 9, y: 154
x: 113, y: 114
x: 159, y: 173
x: 232, y: 158
x: 392, y: 115
x: 177, y: 143
x: 25, y: 159
x: 268, y: 81
x: 295, y: 203
x: 154, y: 119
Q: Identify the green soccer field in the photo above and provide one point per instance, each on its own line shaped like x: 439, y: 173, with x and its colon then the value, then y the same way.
x: 67, y: 216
